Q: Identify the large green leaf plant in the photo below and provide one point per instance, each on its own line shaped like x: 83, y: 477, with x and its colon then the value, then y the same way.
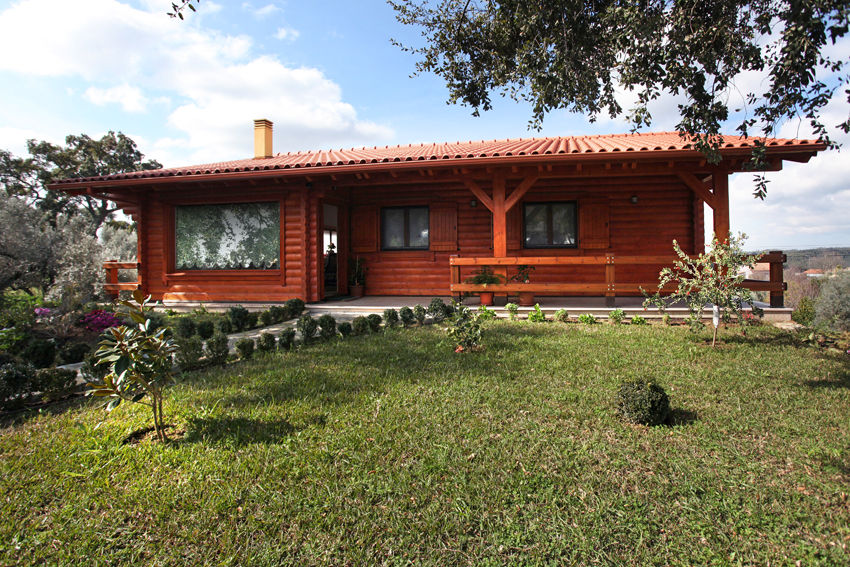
x: 140, y: 364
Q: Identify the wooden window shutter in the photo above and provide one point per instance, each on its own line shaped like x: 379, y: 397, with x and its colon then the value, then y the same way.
x: 443, y: 228
x: 514, y: 232
x: 593, y: 223
x: 364, y: 229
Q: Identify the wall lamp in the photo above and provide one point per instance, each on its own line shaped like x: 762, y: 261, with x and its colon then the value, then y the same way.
x: 473, y: 203
x: 634, y: 199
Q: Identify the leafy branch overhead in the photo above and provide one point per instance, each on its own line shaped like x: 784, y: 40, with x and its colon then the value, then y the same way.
x: 579, y: 56
x: 177, y: 8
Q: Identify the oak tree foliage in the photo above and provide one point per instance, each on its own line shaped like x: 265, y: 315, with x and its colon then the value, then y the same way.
x: 577, y: 55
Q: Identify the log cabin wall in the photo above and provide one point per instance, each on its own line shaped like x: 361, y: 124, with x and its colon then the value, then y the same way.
x: 665, y: 210
x: 157, y: 249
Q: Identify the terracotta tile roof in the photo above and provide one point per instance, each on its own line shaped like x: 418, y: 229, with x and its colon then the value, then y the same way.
x: 511, y: 150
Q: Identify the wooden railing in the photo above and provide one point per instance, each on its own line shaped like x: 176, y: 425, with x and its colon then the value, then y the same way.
x: 112, y: 286
x: 610, y: 288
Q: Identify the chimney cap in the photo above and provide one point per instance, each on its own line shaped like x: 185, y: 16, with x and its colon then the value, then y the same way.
x: 258, y: 122
x: 263, y: 138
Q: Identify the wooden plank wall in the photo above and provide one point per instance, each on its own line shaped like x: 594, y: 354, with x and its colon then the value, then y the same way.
x: 664, y: 211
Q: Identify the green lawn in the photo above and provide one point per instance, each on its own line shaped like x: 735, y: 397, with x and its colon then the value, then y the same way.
x: 393, y: 450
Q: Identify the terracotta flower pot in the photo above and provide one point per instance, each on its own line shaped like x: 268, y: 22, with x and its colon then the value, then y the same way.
x: 486, y: 297
x: 355, y: 290
x: 526, y: 298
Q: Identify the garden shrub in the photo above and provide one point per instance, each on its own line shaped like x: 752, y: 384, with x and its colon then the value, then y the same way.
x: 278, y: 313
x: 512, y: 309
x: 185, y: 327
x: 638, y: 320
x: 189, y: 352
x: 536, y: 315
x: 206, y: 328
x: 157, y: 320
x: 833, y: 305
x: 464, y: 328
x: 8, y: 358
x: 55, y: 383
x: 225, y: 327
x: 360, y: 326
x: 238, y: 316
x: 805, y: 312
x: 73, y: 352
x: 374, y: 321
x: 253, y: 317
x: 41, y: 353
x: 561, y: 316
x: 267, y: 342
x: 307, y: 327
x: 406, y: 316
x: 16, y: 381
x: 294, y: 307
x: 99, y: 320
x: 327, y: 326
x: 286, y: 339
x: 587, y: 319
x: 485, y: 314
x: 90, y: 370
x: 419, y: 314
x: 344, y: 328
x: 391, y: 318
x: 616, y: 316
x: 666, y: 319
x: 245, y: 348
x: 266, y: 318
x: 643, y: 402
x: 217, y: 349
x: 437, y: 309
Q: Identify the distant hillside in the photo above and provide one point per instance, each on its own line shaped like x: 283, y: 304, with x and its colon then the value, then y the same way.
x: 818, y: 258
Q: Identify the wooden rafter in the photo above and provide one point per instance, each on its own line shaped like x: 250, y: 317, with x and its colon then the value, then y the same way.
x: 520, y: 191
x: 698, y: 187
x: 479, y: 192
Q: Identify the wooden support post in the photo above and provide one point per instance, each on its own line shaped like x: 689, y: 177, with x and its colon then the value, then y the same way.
x: 610, y: 291
x: 777, y: 298
x: 455, y: 275
x: 721, y: 206
x: 111, y: 278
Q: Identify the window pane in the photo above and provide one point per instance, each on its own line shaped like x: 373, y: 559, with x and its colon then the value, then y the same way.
x: 232, y: 236
x: 418, y: 229
x: 563, y: 224
x: 535, y: 226
x: 392, y: 228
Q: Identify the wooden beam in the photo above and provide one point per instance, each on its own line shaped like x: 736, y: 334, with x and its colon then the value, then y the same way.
x: 520, y: 191
x: 721, y: 206
x: 698, y: 187
x: 479, y: 192
x: 500, y: 218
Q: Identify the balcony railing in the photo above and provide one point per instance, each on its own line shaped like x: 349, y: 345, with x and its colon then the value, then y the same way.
x: 112, y: 286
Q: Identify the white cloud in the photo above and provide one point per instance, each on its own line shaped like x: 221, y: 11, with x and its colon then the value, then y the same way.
x: 130, y: 98
x: 266, y: 10
x: 287, y: 34
x: 215, y: 81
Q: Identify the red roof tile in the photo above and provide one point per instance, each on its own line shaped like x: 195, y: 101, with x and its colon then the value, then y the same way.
x: 643, y: 143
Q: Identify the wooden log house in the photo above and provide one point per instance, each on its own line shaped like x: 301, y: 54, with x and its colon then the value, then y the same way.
x: 596, y: 215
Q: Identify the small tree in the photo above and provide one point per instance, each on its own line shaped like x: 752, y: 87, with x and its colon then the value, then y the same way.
x: 714, y: 277
x: 139, y: 361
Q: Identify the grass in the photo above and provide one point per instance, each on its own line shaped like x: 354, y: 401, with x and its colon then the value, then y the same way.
x: 393, y: 450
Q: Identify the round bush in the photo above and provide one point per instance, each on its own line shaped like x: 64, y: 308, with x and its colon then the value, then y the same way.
x: 185, y: 327
x: 40, y: 353
x: 643, y: 402
x: 225, y: 327
x: 294, y: 307
x: 286, y: 339
x: 216, y: 349
x: 437, y: 309
x: 16, y: 382
x: 238, y: 316
x: 189, y: 352
x: 419, y: 314
x: 360, y: 326
x: 833, y: 305
x: 278, y: 313
x: 391, y: 317
x: 245, y: 347
x: 253, y: 317
x: 206, y: 328
x: 406, y: 315
x: 55, y: 383
x: 266, y: 318
x: 327, y: 326
x: 805, y: 312
x: 344, y: 328
x: 307, y: 327
x: 267, y: 342
x: 374, y: 321
x: 73, y: 352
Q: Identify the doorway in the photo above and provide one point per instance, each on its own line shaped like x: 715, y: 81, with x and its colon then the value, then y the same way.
x: 330, y: 247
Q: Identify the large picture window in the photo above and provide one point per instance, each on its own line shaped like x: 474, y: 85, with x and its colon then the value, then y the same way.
x: 550, y: 225
x: 227, y: 237
x: 404, y: 228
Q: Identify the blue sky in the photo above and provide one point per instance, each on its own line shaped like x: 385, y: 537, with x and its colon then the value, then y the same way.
x: 326, y: 73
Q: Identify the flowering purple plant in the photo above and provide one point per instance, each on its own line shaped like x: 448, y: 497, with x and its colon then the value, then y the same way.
x: 43, y: 312
x: 99, y: 320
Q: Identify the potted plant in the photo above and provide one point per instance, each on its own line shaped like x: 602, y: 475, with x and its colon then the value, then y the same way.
x: 526, y: 298
x: 358, y: 277
x: 485, y: 276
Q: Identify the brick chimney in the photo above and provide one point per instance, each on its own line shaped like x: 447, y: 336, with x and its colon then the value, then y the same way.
x: 263, y: 138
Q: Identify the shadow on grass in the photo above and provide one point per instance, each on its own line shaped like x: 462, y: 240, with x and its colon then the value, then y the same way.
x: 15, y: 416
x: 754, y: 337
x: 841, y: 380
x: 237, y: 430
x: 679, y: 417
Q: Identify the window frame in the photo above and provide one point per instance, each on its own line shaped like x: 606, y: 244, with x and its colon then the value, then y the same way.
x: 549, y: 225
x: 406, y: 228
